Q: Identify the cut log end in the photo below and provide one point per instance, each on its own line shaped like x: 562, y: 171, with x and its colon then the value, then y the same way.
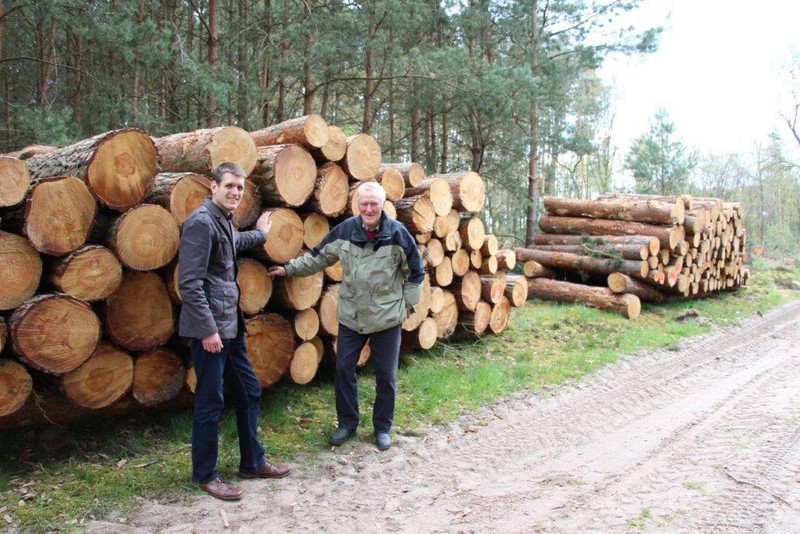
x: 20, y: 270
x: 16, y: 386
x: 122, y: 168
x: 14, y: 181
x: 100, y: 381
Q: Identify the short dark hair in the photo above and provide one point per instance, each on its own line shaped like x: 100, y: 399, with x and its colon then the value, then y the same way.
x: 227, y: 168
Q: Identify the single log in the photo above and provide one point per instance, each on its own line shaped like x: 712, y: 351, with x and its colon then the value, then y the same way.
x: 363, y: 157
x: 285, y: 236
x: 304, y: 364
x: 472, y: 233
x: 469, y: 191
x: 333, y: 273
x: 602, y: 250
x: 57, y: 215
x: 437, y: 299
x: 315, y: 228
x: 170, y: 277
x: 474, y: 323
x: 101, y: 380
x: 320, y: 346
x: 443, y: 225
x: 327, y: 310
x: 413, y: 173
x: 500, y: 316
x: 90, y: 273
x: 413, y: 321
x: 139, y: 316
x: 201, y: 151
x: 270, y: 346
x: 305, y: 323
x: 416, y: 213
x: 20, y: 270
x: 158, y: 377
x: 392, y: 182
x: 446, y: 318
x: 435, y: 252
x: 688, y: 200
x: 506, y: 259
x: 489, y: 265
x: 490, y: 245
x: 443, y: 273
x: 285, y: 175
x: 534, y: 269
x: 438, y: 191
x: 493, y: 288
x: 178, y: 192
x: 452, y: 242
x: 331, y: 191
x: 460, y: 262
x: 652, y: 243
x: 476, y: 259
x: 389, y: 209
x: 249, y: 209
x: 255, y: 286
x: 14, y: 181
x: 334, y: 149
x: 309, y: 131
x: 424, y: 337
x: 54, y: 333
x: 16, y: 386
x: 300, y: 293
x: 467, y: 291
x: 668, y: 235
x: 516, y: 289
x: 622, y: 283
x: 145, y: 237
x: 623, y: 209
x: 117, y: 166
x: 574, y: 262
x: 596, y: 297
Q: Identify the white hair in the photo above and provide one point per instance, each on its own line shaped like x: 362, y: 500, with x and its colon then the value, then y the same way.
x: 373, y: 187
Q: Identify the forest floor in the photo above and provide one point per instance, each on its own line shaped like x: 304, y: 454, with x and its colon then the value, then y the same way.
x: 703, y: 438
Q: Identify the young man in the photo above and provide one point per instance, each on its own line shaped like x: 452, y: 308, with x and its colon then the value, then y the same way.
x: 211, y: 319
x: 382, y: 278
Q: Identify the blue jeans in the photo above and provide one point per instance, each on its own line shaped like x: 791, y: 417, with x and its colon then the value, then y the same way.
x: 235, y: 368
x: 384, y: 356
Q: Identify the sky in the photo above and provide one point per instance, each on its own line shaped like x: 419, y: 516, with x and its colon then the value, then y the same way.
x: 719, y: 72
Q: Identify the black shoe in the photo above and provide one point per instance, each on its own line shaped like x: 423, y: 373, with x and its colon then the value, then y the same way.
x: 341, y: 435
x: 383, y: 441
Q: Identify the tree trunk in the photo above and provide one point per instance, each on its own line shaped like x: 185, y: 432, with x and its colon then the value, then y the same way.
x: 145, y: 237
x: 595, y: 297
x: 63, y: 199
x: 255, y: 286
x: 489, y: 265
x: 500, y: 316
x: 315, y: 227
x: 270, y: 346
x: 443, y: 273
x: 331, y: 191
x: 17, y: 387
x: 623, y: 209
x: 54, y: 333
x: 438, y: 191
x: 304, y: 364
x: 413, y: 173
x: 393, y: 182
x: 447, y: 317
x: 14, y: 181
x: 90, y: 273
x: 467, y: 291
x: 299, y: 293
x: 179, y: 192
x: 327, y: 310
x: 493, y: 288
x: 308, y: 131
x: 506, y: 259
x: 334, y: 149
x: 668, y: 235
x: 516, y: 289
x: 20, y: 270
x: 284, y: 239
x: 201, y: 151
x: 622, y: 283
x: 534, y: 269
x: 460, y: 262
x: 285, y: 175
x: 116, y: 166
x: 434, y: 252
x: 490, y: 245
x: 585, y: 264
x: 139, y: 316
x: 602, y: 250
x: 363, y: 157
x: 305, y: 323
x: 472, y: 233
x: 101, y: 380
x: 443, y: 225
x: 423, y: 337
x: 416, y: 213
x: 468, y: 190
x: 474, y: 323
x: 158, y: 377
x: 652, y: 243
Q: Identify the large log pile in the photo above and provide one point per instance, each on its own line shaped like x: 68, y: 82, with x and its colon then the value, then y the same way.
x: 88, y: 261
x: 647, y: 246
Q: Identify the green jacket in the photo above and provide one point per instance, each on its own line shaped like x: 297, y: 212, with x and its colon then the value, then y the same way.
x: 381, y: 278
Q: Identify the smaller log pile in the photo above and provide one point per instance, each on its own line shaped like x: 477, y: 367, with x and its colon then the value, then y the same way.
x: 651, y: 247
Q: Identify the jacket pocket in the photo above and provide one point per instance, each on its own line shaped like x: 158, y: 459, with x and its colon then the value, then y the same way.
x: 386, y: 311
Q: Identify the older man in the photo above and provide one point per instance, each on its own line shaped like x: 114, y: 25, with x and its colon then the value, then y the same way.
x: 211, y: 319
x: 382, y: 278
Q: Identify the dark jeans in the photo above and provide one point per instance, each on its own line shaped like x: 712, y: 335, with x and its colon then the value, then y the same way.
x: 384, y: 355
x: 233, y: 366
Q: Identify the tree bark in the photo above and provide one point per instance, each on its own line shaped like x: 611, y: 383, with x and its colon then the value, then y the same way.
x: 652, y: 243
x: 201, y: 151
x: 308, y: 131
x: 595, y: 297
x: 668, y: 235
x: 585, y: 264
x: 621, y: 208
x: 622, y: 283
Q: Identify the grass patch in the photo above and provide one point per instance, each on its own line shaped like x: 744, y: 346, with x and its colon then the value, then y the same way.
x: 58, y: 478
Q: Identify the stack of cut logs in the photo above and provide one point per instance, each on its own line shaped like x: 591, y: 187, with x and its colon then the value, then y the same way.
x: 88, y: 257
x: 640, y: 246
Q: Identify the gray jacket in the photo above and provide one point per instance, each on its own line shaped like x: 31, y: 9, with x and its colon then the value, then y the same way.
x: 207, y: 273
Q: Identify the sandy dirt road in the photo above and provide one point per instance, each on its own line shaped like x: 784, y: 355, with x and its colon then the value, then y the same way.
x: 702, y: 439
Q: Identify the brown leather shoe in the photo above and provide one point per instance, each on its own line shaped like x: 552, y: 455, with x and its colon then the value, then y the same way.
x: 221, y: 490
x: 267, y: 471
